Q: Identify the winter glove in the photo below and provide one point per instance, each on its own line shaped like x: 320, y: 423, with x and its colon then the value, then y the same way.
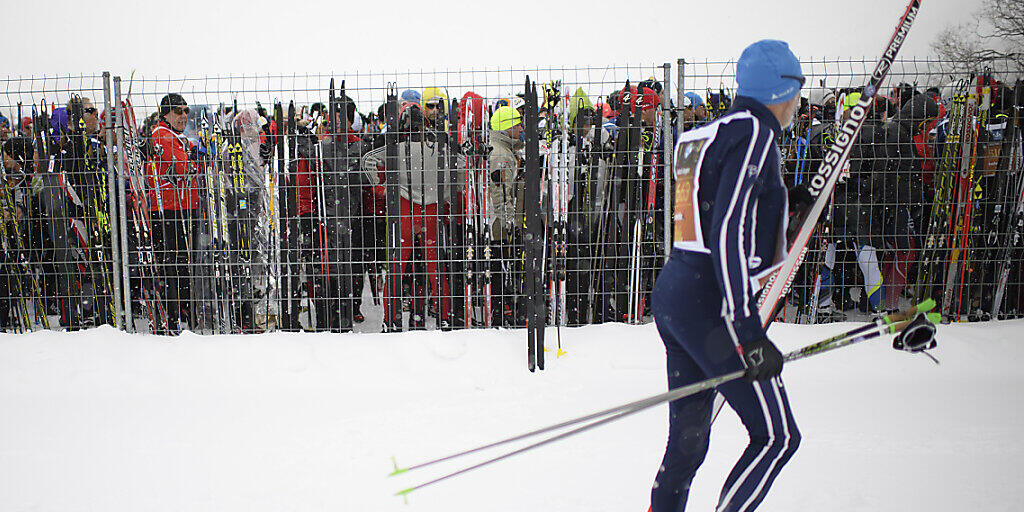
x: 764, y: 361
x: 917, y: 336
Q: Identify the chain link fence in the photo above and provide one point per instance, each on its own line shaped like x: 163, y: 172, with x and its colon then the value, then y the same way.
x: 395, y: 201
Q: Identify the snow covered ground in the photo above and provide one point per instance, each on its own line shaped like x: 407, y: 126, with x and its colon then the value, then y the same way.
x: 105, y: 421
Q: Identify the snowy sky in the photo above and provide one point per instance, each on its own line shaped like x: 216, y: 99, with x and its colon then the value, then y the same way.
x: 261, y: 36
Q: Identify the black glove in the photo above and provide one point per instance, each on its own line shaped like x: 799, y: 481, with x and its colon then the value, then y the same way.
x: 799, y: 200
x: 764, y: 361
x: 917, y: 336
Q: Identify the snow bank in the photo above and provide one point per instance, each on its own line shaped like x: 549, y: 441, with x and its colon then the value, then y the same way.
x: 105, y: 421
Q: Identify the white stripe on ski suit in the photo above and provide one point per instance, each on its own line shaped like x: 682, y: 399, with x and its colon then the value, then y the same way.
x: 766, y: 415
x: 745, y: 262
x: 774, y: 383
x: 723, y: 234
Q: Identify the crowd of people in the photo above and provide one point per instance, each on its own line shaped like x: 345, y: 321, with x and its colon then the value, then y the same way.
x: 249, y: 219
x: 928, y: 206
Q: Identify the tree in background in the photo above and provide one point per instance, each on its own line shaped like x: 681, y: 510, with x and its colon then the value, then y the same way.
x: 996, y: 32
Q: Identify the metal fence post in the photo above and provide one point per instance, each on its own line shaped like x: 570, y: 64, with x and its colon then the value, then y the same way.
x: 680, y: 69
x: 112, y: 218
x: 121, y: 197
x: 667, y: 148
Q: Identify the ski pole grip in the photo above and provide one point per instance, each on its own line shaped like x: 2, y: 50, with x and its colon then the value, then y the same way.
x: 899, y: 326
x: 910, y: 313
x: 902, y: 324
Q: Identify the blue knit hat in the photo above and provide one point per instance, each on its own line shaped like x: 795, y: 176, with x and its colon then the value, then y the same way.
x: 411, y: 96
x: 769, y: 72
x: 694, y: 98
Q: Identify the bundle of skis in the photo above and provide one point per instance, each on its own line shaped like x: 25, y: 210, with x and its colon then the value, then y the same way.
x: 973, y: 232
x: 56, y: 212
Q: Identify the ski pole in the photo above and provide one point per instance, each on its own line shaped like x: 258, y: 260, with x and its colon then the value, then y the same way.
x: 888, y: 325
x: 635, y: 407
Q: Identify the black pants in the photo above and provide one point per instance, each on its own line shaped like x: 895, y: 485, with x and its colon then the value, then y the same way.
x: 173, y: 244
x: 328, y: 283
x: 507, y: 307
x: 369, y: 250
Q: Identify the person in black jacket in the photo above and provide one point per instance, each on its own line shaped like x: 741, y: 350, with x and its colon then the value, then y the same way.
x: 340, y: 256
x: 904, y: 190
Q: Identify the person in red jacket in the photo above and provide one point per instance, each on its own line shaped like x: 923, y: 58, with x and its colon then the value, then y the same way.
x: 174, y: 203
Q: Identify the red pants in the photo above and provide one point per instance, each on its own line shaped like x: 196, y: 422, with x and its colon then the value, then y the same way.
x: 896, y: 270
x: 423, y: 222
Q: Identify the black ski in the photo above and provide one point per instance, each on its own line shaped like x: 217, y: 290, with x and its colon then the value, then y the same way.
x: 392, y: 270
x: 534, y: 237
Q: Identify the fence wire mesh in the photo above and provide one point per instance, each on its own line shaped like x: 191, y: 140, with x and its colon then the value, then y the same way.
x: 393, y: 201
x: 930, y: 205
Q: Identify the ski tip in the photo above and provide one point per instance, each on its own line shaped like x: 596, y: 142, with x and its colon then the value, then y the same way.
x: 935, y: 318
x: 926, y: 306
x: 561, y: 353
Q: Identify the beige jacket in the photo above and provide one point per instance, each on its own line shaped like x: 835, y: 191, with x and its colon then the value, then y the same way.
x: 505, y: 187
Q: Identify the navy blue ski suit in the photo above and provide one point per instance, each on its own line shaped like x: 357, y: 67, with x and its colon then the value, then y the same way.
x: 728, y: 235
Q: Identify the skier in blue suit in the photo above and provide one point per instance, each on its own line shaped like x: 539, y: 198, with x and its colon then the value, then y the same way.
x: 729, y: 235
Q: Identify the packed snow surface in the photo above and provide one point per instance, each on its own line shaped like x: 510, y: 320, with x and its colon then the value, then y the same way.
x: 105, y: 421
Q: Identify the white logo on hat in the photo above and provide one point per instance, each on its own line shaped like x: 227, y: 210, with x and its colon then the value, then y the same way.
x: 782, y: 95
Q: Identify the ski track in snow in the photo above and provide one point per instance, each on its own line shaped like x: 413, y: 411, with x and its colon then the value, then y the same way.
x: 105, y: 421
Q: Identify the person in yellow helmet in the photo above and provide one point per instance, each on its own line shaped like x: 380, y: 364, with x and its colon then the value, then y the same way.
x: 849, y: 102
x: 506, y: 118
x: 506, y: 197
x: 435, y: 106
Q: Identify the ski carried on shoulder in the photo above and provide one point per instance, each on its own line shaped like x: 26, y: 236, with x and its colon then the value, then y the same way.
x: 824, y: 180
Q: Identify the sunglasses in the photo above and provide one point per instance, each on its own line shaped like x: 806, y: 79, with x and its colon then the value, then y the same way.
x: 800, y: 79
x: 90, y: 110
x: 431, y: 106
x: 180, y: 110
